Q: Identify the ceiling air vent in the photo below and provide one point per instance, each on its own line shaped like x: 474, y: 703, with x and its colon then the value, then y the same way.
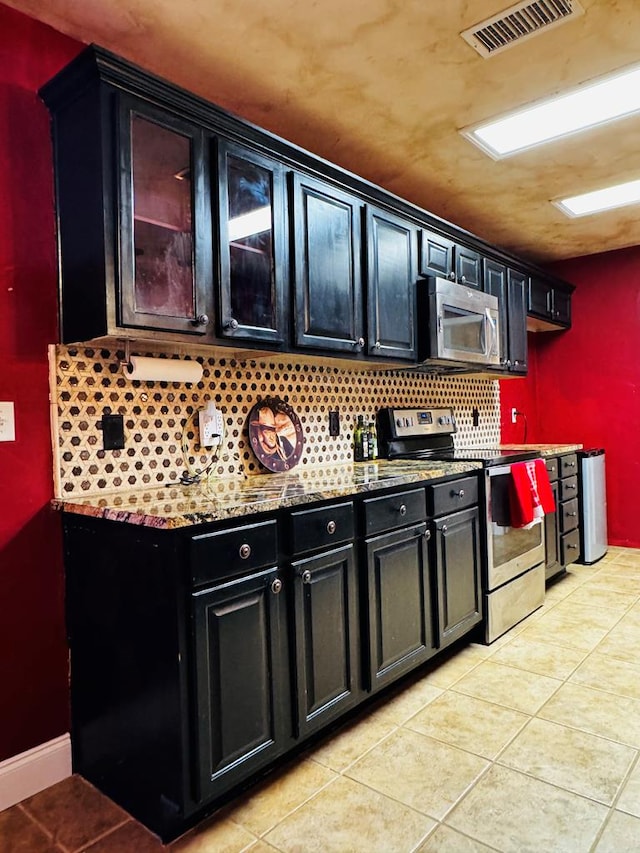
x: 519, y: 22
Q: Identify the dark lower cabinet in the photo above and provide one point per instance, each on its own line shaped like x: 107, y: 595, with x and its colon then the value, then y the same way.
x: 240, y: 679
x: 552, y: 538
x: 325, y: 637
x: 457, y: 562
x: 399, y: 598
x: 562, y: 533
x: 201, y: 656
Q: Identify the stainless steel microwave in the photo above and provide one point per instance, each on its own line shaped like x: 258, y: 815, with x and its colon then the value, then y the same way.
x: 457, y: 325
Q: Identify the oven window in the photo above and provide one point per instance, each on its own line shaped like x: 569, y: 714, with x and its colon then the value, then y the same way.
x: 462, y: 331
x: 508, y: 543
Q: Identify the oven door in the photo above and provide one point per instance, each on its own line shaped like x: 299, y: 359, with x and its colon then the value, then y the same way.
x: 510, y: 550
x: 466, y: 324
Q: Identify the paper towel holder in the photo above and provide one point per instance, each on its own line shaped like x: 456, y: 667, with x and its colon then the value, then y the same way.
x: 148, y: 369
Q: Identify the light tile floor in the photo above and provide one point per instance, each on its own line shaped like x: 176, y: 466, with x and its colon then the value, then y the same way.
x: 530, y: 744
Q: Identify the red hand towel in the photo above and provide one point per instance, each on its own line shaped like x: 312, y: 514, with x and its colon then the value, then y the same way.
x: 531, y: 496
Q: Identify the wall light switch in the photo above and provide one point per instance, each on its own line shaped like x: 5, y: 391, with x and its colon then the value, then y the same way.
x: 7, y: 422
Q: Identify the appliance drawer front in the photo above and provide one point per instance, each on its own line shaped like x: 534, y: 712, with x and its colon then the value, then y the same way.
x: 227, y: 553
x: 568, y: 465
x: 570, y: 547
x: 568, y: 515
x: 452, y: 496
x: 568, y: 488
x: 323, y: 527
x: 512, y: 602
x: 552, y: 467
x: 397, y: 510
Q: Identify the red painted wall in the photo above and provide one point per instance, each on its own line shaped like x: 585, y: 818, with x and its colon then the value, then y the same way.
x: 585, y: 386
x: 33, y: 654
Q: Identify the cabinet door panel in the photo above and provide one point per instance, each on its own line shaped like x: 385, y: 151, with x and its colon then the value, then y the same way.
x: 436, y: 254
x: 240, y: 666
x: 458, y: 573
x: 468, y: 267
x: 517, y: 320
x: 391, y: 289
x: 400, y: 611
x: 495, y: 283
x: 165, y: 271
x: 552, y: 537
x: 327, y: 268
x: 326, y: 637
x: 253, y: 273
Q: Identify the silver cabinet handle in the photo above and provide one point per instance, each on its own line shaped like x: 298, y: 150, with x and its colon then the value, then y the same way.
x: 463, y: 279
x: 359, y: 343
x: 571, y: 545
x: 276, y: 586
x: 444, y: 528
x: 306, y: 576
x: 331, y: 527
x: 459, y: 493
x: 244, y: 551
x: 377, y: 345
x: 201, y: 320
x: 572, y: 514
x: 427, y: 535
x: 571, y: 464
x: 231, y: 325
x: 402, y: 510
x: 452, y: 276
x: 571, y: 486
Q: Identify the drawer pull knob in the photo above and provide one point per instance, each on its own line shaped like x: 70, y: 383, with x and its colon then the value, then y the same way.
x: 201, y: 320
x: 444, y: 528
x: 403, y: 509
x: 231, y: 325
x: 571, y: 545
x: 459, y: 493
x: 276, y: 586
x: 571, y: 486
x: 572, y: 514
x: 306, y: 576
x: 331, y: 527
x: 427, y: 535
x: 571, y: 464
x: 245, y: 551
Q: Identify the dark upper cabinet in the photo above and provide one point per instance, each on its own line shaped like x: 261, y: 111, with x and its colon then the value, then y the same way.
x: 253, y: 250
x: 548, y: 304
x: 441, y: 256
x: 164, y: 280
x: 391, y: 285
x: 327, y: 272
x: 510, y: 288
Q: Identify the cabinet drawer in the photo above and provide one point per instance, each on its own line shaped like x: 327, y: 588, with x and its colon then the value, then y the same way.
x: 570, y: 547
x: 568, y: 488
x: 226, y: 553
x: 568, y: 465
x: 450, y: 497
x: 568, y: 515
x: 318, y: 528
x: 552, y: 467
x: 395, y: 510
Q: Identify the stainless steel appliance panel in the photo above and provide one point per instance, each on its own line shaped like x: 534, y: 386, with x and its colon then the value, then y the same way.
x: 593, y: 505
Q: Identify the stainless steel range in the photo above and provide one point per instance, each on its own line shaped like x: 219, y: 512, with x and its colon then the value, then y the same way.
x: 513, y: 571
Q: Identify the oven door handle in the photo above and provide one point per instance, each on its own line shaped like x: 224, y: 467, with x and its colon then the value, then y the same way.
x: 489, y: 339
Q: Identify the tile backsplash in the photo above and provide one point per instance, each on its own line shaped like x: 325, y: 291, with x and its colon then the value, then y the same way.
x: 88, y: 382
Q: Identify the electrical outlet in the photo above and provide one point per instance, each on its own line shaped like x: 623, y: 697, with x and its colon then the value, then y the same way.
x: 210, y: 425
x: 334, y: 423
x: 514, y: 413
x: 7, y: 422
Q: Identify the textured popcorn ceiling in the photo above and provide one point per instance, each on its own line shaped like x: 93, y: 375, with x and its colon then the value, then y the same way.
x: 382, y: 87
x: 87, y: 382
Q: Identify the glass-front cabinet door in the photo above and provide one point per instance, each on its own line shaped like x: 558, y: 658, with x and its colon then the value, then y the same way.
x: 165, y: 274
x: 252, y: 224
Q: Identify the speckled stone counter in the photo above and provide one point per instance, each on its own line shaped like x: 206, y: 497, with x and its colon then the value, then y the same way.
x: 544, y: 449
x: 182, y: 506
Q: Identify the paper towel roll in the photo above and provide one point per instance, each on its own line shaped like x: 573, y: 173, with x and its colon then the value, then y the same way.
x: 162, y: 369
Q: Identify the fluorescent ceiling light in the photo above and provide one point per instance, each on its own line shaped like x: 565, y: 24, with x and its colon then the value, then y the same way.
x: 591, y: 104
x: 599, y: 200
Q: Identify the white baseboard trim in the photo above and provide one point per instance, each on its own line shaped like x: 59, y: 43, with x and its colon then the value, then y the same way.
x: 34, y: 770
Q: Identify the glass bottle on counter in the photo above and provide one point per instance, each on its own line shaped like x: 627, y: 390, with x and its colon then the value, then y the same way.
x: 373, y: 441
x: 360, y: 441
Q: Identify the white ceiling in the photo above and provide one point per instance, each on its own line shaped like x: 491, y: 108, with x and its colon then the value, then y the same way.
x: 382, y: 87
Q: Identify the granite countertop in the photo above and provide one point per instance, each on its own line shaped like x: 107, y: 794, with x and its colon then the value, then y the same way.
x: 175, y: 506
x: 544, y: 449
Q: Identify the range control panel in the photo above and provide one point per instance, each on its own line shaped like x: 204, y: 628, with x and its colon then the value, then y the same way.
x: 409, y: 423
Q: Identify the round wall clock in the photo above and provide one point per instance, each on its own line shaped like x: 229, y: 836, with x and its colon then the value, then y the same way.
x: 275, y: 434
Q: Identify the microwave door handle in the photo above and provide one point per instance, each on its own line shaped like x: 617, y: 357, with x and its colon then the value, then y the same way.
x: 489, y: 339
